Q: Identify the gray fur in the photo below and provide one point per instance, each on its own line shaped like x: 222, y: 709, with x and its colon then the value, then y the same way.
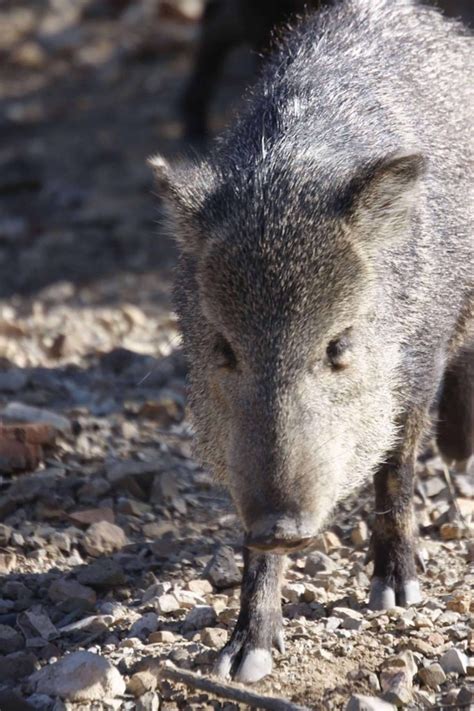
x: 325, y: 286
x: 292, y: 233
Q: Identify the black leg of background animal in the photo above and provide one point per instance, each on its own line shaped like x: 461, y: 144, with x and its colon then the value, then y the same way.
x: 219, y: 34
x: 455, y: 431
x: 247, y: 656
x: 394, y: 580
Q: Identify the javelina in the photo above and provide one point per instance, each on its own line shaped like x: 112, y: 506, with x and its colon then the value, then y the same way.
x: 325, y: 291
x: 226, y: 24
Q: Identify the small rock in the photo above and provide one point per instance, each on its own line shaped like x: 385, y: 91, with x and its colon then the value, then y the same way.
x: 351, y: 619
x: 327, y: 542
x: 7, y: 563
x: 19, y: 412
x: 453, y: 531
x: 72, y: 592
x: 360, y: 534
x: 103, y: 538
x: 80, y: 676
x: 432, y: 676
x: 319, y: 563
x: 454, y: 660
x: 167, y: 603
x: 222, y: 570
x: 201, y: 616
x: 214, y: 637
x: 465, y: 698
x: 433, y: 486
x: 142, y: 682
x: 460, y: 602
x: 162, y: 637
x: 144, y: 626
x: 293, y: 592
x: 10, y: 640
x: 5, y: 534
x: 368, y: 703
x: 201, y: 587
x: 101, y: 574
x: 16, y: 666
x: 90, y: 516
x: 396, y: 684
x: 36, y: 626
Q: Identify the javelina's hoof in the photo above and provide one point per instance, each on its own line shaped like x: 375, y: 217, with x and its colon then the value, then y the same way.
x: 384, y: 596
x: 254, y: 665
x: 245, y: 661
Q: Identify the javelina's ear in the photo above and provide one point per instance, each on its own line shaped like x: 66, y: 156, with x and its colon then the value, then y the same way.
x: 180, y: 202
x: 384, y: 194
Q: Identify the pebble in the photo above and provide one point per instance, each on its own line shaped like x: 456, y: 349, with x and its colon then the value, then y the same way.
x: 350, y: 619
x: 167, y: 603
x: 360, y: 534
x: 432, y: 676
x: 214, y: 637
x: 144, y: 626
x: 396, y: 684
x: 319, y: 562
x: 454, y: 660
x: 80, y: 676
x: 142, y: 682
x: 103, y: 538
x: 162, y: 637
x: 201, y: 587
x: 453, y: 531
x: 327, y: 542
x: 222, y: 570
x: 199, y: 617
x: 293, y: 592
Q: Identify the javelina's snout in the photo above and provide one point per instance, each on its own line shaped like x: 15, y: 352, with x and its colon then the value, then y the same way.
x: 280, y: 534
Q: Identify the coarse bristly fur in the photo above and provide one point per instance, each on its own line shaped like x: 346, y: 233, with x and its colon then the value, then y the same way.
x: 340, y: 205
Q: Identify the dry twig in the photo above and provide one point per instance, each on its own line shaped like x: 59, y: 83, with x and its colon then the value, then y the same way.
x: 227, y: 691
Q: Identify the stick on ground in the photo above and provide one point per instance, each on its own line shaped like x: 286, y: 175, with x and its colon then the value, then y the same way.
x: 227, y: 691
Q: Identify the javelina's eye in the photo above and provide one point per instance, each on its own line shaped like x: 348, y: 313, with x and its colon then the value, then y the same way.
x: 224, y: 355
x: 339, y: 351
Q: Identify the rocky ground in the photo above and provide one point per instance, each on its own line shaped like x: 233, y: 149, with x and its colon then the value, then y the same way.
x: 117, y: 551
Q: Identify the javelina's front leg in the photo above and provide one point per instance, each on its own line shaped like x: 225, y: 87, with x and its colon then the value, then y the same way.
x: 394, y: 580
x: 247, y: 657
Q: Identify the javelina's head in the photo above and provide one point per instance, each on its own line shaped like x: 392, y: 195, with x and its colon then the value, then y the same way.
x: 281, y: 292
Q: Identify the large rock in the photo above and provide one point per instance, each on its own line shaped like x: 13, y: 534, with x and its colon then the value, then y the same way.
x: 81, y: 676
x: 103, y: 538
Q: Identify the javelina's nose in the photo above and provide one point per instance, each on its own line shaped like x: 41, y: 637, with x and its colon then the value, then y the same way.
x: 275, y: 534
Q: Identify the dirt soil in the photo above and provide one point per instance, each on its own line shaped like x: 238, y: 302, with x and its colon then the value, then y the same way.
x: 107, y: 523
